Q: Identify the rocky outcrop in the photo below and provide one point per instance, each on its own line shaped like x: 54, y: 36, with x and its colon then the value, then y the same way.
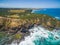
x: 13, y: 25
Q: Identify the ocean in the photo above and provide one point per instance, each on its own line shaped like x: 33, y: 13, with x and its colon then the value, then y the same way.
x: 54, y: 12
x: 41, y: 36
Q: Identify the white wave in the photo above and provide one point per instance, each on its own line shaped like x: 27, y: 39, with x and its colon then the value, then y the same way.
x: 57, y: 17
x: 39, y: 33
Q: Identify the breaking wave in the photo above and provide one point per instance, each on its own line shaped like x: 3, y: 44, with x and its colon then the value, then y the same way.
x: 41, y: 36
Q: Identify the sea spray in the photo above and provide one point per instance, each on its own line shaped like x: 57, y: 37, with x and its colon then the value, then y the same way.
x: 40, y: 36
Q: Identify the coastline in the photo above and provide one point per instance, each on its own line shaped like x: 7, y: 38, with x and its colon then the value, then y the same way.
x: 21, y: 23
x: 53, y: 12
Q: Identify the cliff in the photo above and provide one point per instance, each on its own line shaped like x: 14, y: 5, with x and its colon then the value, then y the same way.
x: 16, y: 26
x: 15, y: 23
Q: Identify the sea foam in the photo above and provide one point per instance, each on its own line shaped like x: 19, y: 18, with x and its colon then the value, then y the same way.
x: 41, y: 36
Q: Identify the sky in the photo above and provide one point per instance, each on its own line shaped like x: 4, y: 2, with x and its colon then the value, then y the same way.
x: 30, y: 3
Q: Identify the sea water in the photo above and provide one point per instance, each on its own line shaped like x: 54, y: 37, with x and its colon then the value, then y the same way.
x: 41, y: 36
x: 54, y: 12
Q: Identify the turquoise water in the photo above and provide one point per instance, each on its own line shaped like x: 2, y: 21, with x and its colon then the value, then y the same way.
x: 41, y: 36
x: 54, y: 12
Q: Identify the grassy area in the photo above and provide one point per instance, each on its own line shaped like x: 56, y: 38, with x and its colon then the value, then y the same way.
x: 2, y: 35
x: 6, y: 11
x: 17, y: 36
x: 28, y: 17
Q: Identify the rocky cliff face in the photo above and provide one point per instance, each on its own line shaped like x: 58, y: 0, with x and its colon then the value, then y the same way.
x: 12, y: 25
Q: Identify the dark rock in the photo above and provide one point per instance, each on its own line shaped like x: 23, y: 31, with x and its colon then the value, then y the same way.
x: 24, y: 30
x: 14, y: 28
x: 1, y: 26
x: 57, y: 28
x: 30, y: 26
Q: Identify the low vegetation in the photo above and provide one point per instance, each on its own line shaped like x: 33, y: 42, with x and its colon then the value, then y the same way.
x: 14, y: 21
